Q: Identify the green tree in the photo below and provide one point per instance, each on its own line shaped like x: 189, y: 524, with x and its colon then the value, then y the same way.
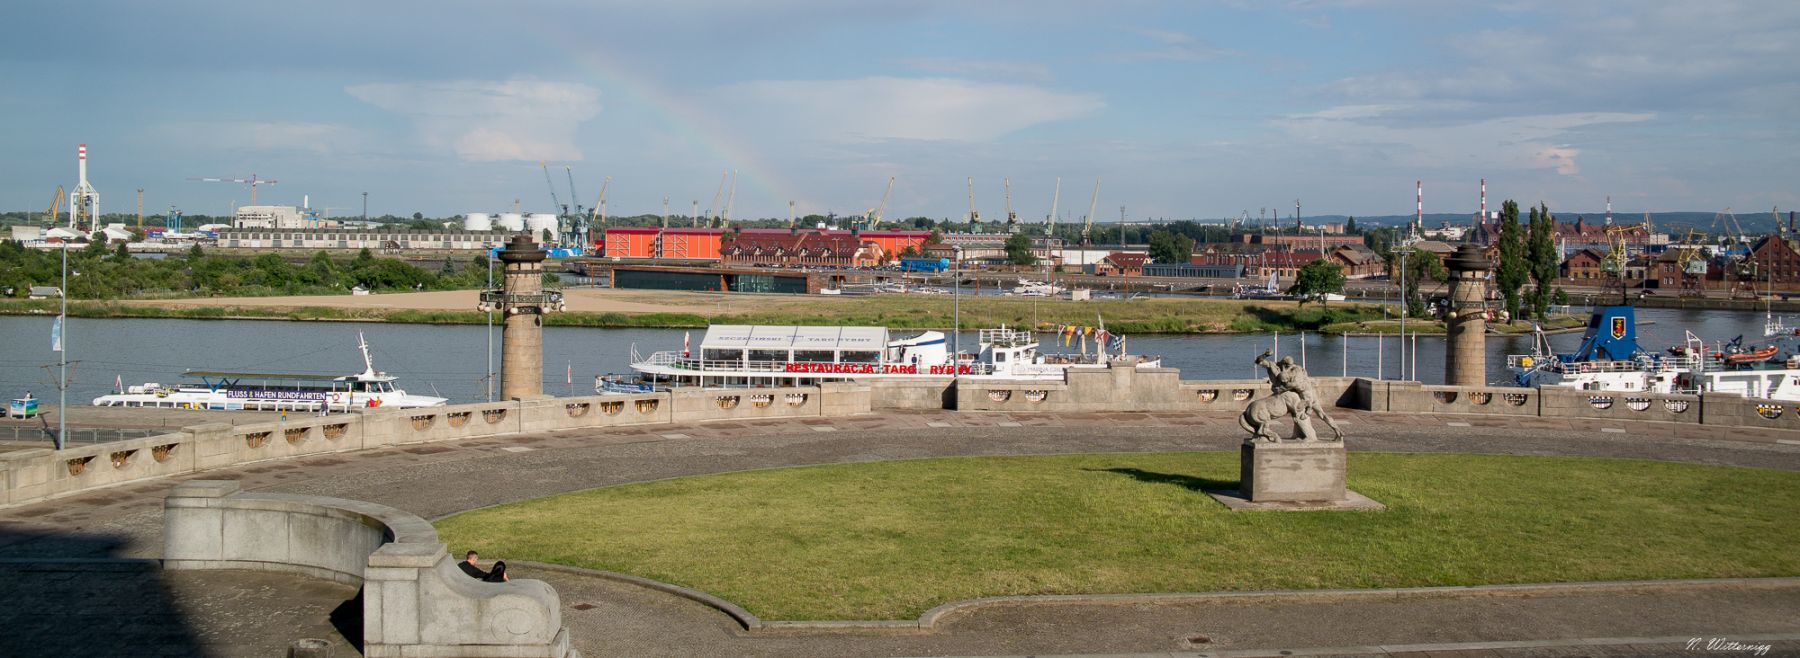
x: 936, y: 237
x: 1350, y: 226
x: 1514, y: 269
x: 1316, y: 279
x: 1543, y: 259
x: 909, y: 252
x: 548, y: 237
x: 1018, y: 250
x: 1561, y: 297
x: 1421, y: 266
x: 196, y: 253
x: 1171, y: 248
x: 122, y: 253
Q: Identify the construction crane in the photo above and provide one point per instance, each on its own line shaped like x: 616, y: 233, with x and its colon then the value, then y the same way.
x: 1012, y: 219
x: 599, y: 208
x: 974, y: 215
x: 696, y: 213
x: 140, y: 210
x: 554, y: 202
x: 252, y: 181
x: 1050, y: 224
x: 1087, y: 229
x: 872, y: 218
x: 1613, y: 264
x: 791, y: 225
x: 55, y: 210
x: 1775, y: 214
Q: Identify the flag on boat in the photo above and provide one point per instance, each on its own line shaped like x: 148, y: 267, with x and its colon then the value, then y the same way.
x: 686, y: 337
x: 56, y: 334
x: 1100, y: 339
x: 119, y: 380
x: 571, y: 371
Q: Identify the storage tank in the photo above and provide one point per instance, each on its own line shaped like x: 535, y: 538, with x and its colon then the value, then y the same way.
x: 478, y: 221
x: 540, y: 222
x: 512, y: 221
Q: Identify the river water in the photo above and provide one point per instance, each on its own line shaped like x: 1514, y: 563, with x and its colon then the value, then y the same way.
x: 452, y: 359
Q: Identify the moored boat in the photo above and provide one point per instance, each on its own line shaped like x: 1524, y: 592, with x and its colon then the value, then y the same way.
x: 736, y: 356
x: 243, y: 391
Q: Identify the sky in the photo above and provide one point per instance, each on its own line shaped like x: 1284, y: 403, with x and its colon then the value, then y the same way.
x: 1191, y: 109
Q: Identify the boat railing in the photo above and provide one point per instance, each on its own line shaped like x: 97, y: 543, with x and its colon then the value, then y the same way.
x: 1006, y: 337
x: 673, y: 359
x: 1646, y: 364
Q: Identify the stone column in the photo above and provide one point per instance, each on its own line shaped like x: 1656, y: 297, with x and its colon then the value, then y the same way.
x: 522, y: 301
x: 1465, y: 350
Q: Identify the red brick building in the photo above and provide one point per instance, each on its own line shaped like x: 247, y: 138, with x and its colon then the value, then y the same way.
x: 809, y: 249
x: 1121, y: 263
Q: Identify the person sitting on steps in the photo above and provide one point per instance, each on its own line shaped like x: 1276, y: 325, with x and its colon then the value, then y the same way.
x: 498, y: 575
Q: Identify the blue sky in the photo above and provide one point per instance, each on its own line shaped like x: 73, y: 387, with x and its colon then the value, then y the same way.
x: 1182, y: 109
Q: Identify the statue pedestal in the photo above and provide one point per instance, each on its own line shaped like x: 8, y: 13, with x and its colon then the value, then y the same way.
x: 1295, y: 476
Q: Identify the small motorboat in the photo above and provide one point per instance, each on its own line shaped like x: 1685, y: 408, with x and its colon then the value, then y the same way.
x: 1752, y: 356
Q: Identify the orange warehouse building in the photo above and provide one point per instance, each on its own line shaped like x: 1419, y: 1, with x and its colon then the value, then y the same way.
x: 691, y: 243
x: 631, y: 242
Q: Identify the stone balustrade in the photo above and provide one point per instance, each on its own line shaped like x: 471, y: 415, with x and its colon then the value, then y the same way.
x: 1722, y: 409
x: 416, y: 602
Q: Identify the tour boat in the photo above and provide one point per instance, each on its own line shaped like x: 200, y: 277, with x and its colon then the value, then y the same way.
x: 243, y: 391
x: 737, y: 356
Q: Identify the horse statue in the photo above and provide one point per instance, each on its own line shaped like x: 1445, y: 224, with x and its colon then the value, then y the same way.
x: 1294, y: 396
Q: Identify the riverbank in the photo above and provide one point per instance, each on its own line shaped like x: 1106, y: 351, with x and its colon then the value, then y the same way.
x: 591, y: 307
x: 1557, y: 323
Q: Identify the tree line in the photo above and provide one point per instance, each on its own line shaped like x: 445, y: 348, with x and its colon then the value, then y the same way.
x: 97, y: 272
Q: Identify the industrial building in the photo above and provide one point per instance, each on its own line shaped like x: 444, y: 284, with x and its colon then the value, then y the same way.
x: 278, y: 218
x: 658, y: 243
x: 396, y: 238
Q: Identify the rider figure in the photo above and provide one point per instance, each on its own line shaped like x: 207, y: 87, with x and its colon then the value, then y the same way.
x: 1285, y: 376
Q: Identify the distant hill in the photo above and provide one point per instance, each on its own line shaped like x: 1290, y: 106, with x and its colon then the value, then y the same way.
x: 1678, y: 222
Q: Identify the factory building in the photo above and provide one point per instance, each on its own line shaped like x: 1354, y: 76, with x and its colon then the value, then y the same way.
x: 652, y: 242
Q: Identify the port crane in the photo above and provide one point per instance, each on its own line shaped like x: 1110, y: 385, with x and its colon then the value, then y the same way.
x: 576, y: 234
x: 1012, y: 218
x: 712, y: 209
x: 1087, y: 229
x: 1050, y: 223
x: 55, y: 210
x: 730, y: 198
x: 872, y: 218
x: 554, y: 202
x: 974, y: 215
x: 252, y: 181
x: 599, y: 209
x: 1690, y: 256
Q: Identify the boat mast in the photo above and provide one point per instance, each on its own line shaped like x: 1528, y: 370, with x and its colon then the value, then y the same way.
x: 368, y: 365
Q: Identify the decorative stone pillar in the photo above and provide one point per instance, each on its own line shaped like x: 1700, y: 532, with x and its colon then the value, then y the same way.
x: 522, y: 301
x: 1465, y: 323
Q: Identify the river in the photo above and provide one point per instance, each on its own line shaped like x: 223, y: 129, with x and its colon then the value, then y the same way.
x: 450, y: 360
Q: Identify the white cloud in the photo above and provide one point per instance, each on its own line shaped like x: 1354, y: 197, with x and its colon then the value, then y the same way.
x: 984, y: 68
x: 882, y: 108
x: 483, y: 121
x: 1534, y: 142
x: 1172, y: 46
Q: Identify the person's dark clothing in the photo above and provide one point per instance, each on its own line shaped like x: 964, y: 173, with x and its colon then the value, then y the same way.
x: 473, y: 571
x: 498, y: 575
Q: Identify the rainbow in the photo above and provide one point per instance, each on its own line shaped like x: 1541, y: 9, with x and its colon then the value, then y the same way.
x: 683, y: 118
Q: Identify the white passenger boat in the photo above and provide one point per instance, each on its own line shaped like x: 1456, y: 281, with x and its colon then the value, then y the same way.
x: 242, y: 391
x: 1610, y: 360
x: 737, y: 356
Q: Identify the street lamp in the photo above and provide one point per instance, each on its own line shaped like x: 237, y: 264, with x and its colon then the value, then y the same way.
x: 956, y: 315
x: 1405, y: 301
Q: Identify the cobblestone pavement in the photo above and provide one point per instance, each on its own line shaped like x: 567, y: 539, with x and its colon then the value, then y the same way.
x: 433, y: 480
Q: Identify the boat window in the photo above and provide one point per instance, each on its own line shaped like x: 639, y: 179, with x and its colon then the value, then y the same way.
x: 768, y: 355
x: 861, y: 357
x: 812, y: 356
x: 999, y: 357
x: 723, y: 355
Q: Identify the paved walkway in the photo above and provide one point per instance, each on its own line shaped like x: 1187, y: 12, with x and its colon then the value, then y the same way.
x: 612, y: 619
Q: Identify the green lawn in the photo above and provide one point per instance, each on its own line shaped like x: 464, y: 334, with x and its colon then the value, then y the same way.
x: 889, y: 540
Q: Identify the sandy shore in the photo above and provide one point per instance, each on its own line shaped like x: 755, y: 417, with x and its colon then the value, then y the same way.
x: 586, y: 300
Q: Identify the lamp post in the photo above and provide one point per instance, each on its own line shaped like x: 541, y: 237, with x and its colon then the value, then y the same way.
x: 1405, y: 301
x: 62, y: 355
x: 956, y: 315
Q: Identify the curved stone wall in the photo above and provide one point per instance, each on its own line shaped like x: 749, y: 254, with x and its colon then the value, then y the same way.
x: 416, y: 601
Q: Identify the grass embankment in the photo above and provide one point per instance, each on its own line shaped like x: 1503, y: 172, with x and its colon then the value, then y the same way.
x: 890, y: 540
x: 1415, y: 325
x: 1142, y: 316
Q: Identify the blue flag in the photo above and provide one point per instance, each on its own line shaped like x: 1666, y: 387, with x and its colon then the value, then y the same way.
x: 56, y: 335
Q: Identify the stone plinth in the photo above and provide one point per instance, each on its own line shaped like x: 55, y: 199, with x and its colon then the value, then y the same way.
x: 1293, y: 475
x: 1465, y: 353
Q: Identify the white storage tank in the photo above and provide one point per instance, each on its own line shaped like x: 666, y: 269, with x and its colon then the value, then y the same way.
x: 540, y: 222
x: 512, y: 221
x: 478, y: 221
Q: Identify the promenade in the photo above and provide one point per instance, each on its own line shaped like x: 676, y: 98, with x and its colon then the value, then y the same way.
x: 81, y: 581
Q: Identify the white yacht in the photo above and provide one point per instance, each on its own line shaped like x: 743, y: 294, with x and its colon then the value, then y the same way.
x: 737, y: 356
x: 243, y: 391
